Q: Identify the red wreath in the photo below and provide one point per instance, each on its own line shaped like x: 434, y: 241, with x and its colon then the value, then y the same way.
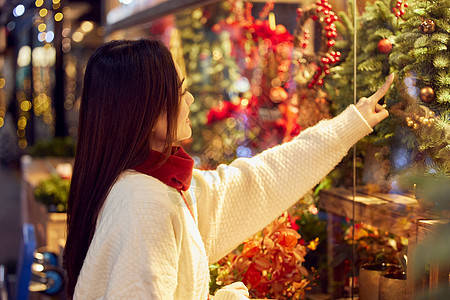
x: 322, y: 13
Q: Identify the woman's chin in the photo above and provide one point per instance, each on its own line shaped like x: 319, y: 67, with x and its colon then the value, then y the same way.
x: 184, y: 137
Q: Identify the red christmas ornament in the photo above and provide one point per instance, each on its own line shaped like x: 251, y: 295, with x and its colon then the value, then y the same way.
x: 385, y: 46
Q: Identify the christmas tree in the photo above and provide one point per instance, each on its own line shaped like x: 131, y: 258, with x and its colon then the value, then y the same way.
x: 411, y: 39
x: 421, y: 57
x: 376, y: 31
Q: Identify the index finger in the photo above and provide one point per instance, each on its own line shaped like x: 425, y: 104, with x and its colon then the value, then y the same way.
x: 382, y: 90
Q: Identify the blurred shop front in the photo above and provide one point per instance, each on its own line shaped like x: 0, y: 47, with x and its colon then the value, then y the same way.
x: 261, y: 72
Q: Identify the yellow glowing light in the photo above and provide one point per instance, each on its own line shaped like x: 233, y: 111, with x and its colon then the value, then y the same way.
x: 22, y: 123
x: 39, y: 3
x: 244, y: 102
x: 58, y: 17
x: 1, y: 122
x: 20, y: 133
x: 2, y: 83
x: 56, y: 1
x: 87, y: 26
x: 42, y: 27
x: 22, y: 143
x: 37, y: 267
x: 43, y: 12
x: 197, y: 14
x: 77, y: 36
x: 25, y: 105
x: 56, y: 6
x: 24, y: 56
x: 272, y: 22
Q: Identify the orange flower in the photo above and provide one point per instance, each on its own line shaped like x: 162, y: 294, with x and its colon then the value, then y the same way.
x: 251, y: 248
x: 288, y: 238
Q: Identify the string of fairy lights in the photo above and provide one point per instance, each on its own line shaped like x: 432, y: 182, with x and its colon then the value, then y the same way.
x: 34, y: 89
x: 2, y: 104
x: 34, y: 93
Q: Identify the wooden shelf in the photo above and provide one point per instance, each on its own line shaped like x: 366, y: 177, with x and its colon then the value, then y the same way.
x: 398, y: 214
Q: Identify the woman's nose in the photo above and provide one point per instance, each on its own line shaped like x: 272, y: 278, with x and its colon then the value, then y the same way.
x: 190, y: 98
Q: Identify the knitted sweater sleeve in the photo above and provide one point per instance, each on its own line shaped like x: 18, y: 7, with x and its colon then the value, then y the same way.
x: 135, y: 249
x: 237, y: 200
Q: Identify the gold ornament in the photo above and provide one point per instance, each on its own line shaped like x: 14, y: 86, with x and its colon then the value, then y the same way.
x: 410, y: 123
x: 416, y: 126
x: 428, y: 26
x: 427, y: 94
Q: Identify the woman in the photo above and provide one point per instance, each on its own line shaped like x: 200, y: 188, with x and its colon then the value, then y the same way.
x: 142, y: 224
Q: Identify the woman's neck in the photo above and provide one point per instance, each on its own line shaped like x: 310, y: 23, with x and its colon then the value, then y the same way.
x: 158, y: 146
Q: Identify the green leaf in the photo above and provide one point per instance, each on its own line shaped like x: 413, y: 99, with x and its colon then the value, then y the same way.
x: 420, y: 12
x: 440, y: 37
x: 370, y: 65
x: 385, y: 12
x: 369, y: 48
x: 441, y: 61
x: 346, y: 22
x: 443, y: 95
x: 443, y: 78
x: 419, y: 52
x: 421, y: 41
x: 383, y: 33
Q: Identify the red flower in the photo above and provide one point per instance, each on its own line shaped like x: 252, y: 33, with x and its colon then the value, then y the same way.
x: 225, y: 110
x: 252, y: 276
x: 293, y: 222
x: 263, y: 288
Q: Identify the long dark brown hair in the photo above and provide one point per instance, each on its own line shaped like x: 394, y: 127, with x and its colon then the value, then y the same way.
x: 127, y: 86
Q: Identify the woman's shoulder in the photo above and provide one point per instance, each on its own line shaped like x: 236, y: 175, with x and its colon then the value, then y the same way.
x: 132, y: 180
x: 134, y: 187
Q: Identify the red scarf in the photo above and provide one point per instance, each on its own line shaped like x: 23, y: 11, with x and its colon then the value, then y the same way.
x: 176, y: 171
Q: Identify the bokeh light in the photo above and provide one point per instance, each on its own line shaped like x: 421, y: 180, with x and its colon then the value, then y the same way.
x: 18, y: 10
x: 58, y: 17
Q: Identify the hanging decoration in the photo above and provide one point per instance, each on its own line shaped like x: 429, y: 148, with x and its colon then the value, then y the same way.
x: 427, y: 94
x: 283, y: 74
x: 322, y: 14
x: 428, y: 26
x: 399, y: 8
x: 385, y: 46
x: 421, y: 117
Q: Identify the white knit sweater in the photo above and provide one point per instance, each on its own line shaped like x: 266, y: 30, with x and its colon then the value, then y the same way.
x: 148, y: 246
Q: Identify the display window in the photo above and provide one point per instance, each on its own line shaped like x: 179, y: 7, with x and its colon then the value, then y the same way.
x: 261, y: 73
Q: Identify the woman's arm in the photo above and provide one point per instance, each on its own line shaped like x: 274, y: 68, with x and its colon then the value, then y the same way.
x: 236, y: 201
